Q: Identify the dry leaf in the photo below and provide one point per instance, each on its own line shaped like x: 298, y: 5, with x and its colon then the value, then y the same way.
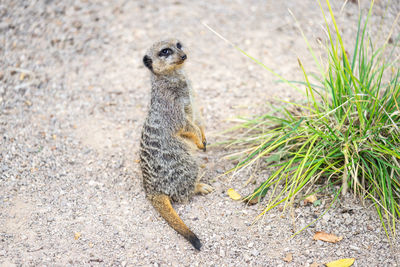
x: 327, y: 237
x: 256, y: 196
x: 310, y: 199
x: 253, y: 201
x: 137, y: 160
x: 288, y: 257
x: 314, y: 264
x: 341, y: 263
x: 233, y: 194
x: 77, y: 235
x: 54, y: 136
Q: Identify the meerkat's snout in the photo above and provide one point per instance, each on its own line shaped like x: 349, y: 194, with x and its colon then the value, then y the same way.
x: 181, y: 58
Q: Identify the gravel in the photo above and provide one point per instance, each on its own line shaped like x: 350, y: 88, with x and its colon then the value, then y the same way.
x: 73, y: 96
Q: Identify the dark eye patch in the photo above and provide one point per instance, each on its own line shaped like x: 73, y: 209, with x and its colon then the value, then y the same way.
x: 165, y: 52
x: 179, y: 45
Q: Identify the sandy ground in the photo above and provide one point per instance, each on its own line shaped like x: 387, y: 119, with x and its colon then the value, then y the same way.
x: 73, y: 97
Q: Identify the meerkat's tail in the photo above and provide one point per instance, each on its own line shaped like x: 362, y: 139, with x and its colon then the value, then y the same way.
x: 162, y: 203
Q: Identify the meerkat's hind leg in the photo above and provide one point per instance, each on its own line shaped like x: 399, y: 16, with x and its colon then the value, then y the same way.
x: 203, y: 189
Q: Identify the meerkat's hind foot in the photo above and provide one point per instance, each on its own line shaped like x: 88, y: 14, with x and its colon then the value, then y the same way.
x: 203, y: 189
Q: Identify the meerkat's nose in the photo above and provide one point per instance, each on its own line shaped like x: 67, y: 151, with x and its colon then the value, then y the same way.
x: 184, y: 57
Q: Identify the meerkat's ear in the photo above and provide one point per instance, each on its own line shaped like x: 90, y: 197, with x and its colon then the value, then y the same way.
x: 148, y: 62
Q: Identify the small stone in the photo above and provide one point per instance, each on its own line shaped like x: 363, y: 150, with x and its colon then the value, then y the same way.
x: 255, y: 252
x: 222, y: 253
x: 326, y: 217
x: 77, y: 24
x: 354, y: 247
x: 246, y: 257
x: 219, y: 171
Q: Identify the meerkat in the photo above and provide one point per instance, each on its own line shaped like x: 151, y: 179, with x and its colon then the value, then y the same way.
x: 172, y: 128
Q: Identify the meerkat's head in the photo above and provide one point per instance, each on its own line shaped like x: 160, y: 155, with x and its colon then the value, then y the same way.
x: 165, y: 56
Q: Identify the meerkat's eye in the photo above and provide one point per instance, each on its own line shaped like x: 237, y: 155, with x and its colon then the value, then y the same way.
x: 179, y: 46
x: 165, y: 52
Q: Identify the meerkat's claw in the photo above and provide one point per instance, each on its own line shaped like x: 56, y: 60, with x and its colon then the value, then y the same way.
x: 205, y: 145
x: 203, y: 189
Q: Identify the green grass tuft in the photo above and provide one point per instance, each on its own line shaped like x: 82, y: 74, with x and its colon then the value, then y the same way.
x: 347, y: 133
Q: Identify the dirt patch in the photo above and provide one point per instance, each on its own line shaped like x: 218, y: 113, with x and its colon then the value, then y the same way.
x: 73, y: 97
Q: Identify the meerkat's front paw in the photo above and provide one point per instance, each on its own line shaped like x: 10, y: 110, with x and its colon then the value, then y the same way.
x: 205, y: 145
x: 203, y: 138
x: 201, y: 146
x: 202, y: 142
x: 203, y: 189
